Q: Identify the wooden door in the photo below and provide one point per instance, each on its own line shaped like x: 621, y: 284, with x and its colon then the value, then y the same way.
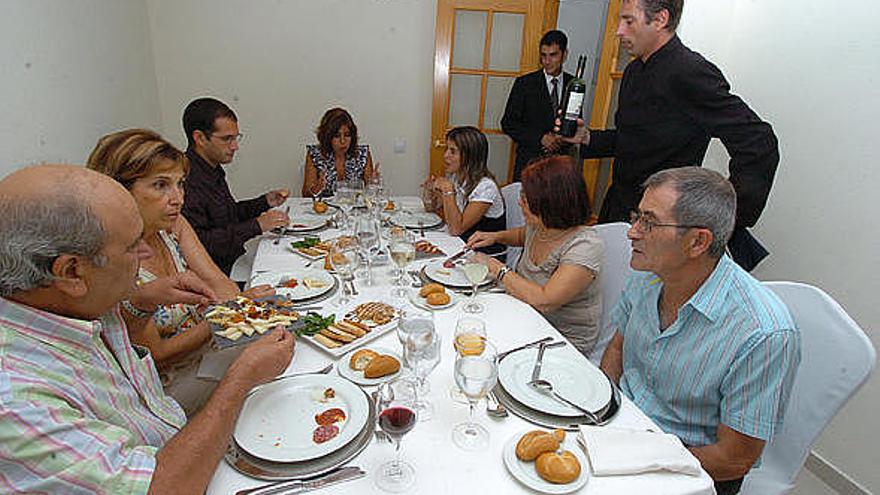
x: 612, y: 62
x: 481, y: 46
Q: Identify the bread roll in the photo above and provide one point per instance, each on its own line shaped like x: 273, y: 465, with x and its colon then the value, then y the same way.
x: 431, y: 288
x: 319, y: 207
x: 437, y: 299
x: 360, y: 359
x: 535, y: 443
x: 380, y: 366
x: 558, y: 468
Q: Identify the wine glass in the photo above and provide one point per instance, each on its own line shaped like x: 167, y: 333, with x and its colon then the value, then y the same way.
x: 421, y: 356
x: 475, y: 375
x: 396, y: 418
x: 415, y: 329
x: 367, y: 232
x: 343, y: 196
x: 344, y: 259
x: 469, y: 340
x: 403, y: 252
x: 476, y: 272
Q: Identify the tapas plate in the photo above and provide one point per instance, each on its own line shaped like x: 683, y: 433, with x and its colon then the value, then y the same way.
x: 376, y: 329
x: 450, y: 277
x: 278, y: 420
x: 298, y: 285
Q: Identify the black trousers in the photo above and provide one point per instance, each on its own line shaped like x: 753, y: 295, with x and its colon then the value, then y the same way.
x: 729, y: 487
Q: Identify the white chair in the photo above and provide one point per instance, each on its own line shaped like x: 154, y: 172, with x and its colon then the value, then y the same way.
x: 836, y: 359
x: 514, y: 217
x: 241, y: 269
x: 614, y: 271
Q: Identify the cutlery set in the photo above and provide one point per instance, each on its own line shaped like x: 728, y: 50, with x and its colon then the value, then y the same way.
x: 291, y: 487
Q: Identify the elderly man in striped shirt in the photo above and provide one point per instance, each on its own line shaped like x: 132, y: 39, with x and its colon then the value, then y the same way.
x: 701, y: 347
x: 82, y: 409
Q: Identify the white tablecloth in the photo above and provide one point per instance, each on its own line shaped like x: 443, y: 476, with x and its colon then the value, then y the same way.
x: 440, y: 466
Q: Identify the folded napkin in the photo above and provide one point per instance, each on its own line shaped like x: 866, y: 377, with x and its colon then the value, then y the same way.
x: 617, y: 451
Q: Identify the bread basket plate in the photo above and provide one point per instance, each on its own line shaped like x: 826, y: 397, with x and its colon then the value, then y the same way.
x: 420, y: 302
x: 376, y: 332
x: 277, y: 419
x: 572, y: 376
x: 525, y: 472
x: 355, y: 376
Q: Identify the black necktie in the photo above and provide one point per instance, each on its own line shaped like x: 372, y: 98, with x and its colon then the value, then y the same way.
x: 554, y: 95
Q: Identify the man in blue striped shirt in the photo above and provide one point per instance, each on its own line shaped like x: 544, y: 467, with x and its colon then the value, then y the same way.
x: 701, y: 347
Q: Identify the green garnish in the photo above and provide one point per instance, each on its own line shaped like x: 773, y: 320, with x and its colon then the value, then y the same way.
x: 314, y: 323
x: 306, y: 243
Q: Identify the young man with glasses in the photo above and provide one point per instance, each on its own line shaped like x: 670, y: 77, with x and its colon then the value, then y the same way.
x: 701, y: 346
x: 222, y: 223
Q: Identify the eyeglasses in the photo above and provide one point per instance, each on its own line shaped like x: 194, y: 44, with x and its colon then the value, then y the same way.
x: 228, y: 139
x: 639, y: 220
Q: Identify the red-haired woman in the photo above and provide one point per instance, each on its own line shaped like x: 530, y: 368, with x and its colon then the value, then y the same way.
x: 557, y: 271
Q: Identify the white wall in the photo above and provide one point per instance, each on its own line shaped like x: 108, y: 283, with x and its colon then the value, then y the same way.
x: 70, y: 72
x: 811, y: 69
x: 281, y: 64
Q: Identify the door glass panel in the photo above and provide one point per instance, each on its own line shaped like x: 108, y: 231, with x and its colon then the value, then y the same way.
x: 497, y: 90
x: 464, y: 99
x: 623, y: 57
x: 469, y: 39
x: 499, y: 156
x: 506, y: 44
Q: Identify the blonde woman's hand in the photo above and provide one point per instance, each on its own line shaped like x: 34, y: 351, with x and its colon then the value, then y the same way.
x: 482, y: 239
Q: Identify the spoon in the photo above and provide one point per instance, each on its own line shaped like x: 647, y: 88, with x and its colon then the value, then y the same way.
x: 546, y: 387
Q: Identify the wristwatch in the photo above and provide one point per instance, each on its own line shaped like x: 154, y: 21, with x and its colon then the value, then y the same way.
x: 501, y: 273
x: 133, y: 311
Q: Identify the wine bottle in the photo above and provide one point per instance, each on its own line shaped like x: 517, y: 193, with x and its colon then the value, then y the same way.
x: 573, y: 100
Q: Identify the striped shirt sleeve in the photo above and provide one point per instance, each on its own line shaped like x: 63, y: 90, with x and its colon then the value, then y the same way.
x: 755, y: 390
x: 48, y: 446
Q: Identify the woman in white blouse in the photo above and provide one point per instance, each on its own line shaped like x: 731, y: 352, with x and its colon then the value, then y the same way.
x: 468, y: 198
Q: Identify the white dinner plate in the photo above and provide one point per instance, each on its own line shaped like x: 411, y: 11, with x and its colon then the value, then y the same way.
x: 573, y: 377
x: 450, y: 277
x: 277, y: 420
x: 411, y: 219
x: 300, y: 292
x: 357, y: 377
x: 421, y: 302
x: 307, y: 220
x: 525, y: 472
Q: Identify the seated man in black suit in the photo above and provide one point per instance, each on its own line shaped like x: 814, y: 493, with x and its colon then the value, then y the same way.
x: 533, y: 101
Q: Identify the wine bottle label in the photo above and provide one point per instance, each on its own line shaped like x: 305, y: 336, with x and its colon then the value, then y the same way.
x: 573, y: 110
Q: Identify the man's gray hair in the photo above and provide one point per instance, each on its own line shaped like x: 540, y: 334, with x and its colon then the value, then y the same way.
x: 653, y: 7
x: 35, y: 231
x: 705, y: 198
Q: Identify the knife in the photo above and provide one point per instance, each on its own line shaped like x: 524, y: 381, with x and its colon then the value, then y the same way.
x: 449, y: 262
x: 536, y: 370
x: 299, y: 486
x: 502, y: 355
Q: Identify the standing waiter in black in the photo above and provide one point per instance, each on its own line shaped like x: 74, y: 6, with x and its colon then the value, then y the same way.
x: 533, y: 102
x: 672, y: 102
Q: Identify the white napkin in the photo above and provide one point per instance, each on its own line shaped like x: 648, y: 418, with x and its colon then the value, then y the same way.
x: 619, y: 451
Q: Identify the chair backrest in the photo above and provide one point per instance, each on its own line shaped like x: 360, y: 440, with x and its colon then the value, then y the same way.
x: 614, y: 271
x: 514, y: 216
x: 836, y: 359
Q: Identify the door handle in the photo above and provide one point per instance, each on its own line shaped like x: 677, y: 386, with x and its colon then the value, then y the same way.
x: 439, y: 143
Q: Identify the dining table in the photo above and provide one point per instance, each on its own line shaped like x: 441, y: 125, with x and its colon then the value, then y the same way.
x: 440, y: 466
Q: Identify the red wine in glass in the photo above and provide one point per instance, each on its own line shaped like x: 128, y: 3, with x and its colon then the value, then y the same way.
x: 397, y: 420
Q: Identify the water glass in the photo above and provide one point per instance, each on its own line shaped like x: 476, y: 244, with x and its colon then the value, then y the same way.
x: 475, y: 375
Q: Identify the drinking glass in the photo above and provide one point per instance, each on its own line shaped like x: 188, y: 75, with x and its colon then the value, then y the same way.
x: 475, y: 375
x: 469, y: 340
x: 396, y: 418
x: 421, y: 357
x: 344, y: 259
x: 344, y: 198
x: 415, y: 329
x: 403, y: 252
x: 476, y: 272
x: 367, y: 231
